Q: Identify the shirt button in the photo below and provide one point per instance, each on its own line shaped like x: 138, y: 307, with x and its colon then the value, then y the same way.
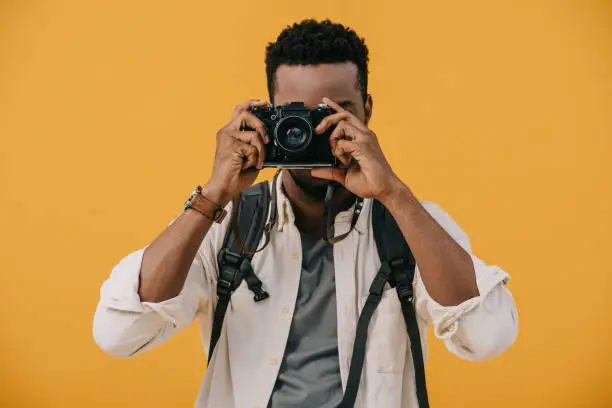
x: 274, y: 361
x: 295, y: 255
x: 285, y: 310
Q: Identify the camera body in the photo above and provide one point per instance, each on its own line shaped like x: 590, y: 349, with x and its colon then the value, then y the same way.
x: 293, y: 140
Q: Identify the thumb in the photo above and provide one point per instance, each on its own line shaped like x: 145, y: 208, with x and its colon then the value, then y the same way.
x: 330, y: 173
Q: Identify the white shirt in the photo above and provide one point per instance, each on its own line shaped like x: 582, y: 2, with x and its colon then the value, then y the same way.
x: 245, y: 364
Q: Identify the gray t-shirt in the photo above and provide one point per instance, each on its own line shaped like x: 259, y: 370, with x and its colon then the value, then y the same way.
x: 309, y: 375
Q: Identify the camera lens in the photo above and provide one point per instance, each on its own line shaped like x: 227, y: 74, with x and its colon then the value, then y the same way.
x: 295, y: 137
x: 293, y: 134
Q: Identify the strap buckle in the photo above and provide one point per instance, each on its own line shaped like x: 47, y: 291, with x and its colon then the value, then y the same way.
x: 258, y: 293
x: 405, y: 292
x: 229, y: 258
x: 224, y: 288
x: 402, y: 271
x: 253, y: 282
x: 229, y: 269
x: 232, y: 269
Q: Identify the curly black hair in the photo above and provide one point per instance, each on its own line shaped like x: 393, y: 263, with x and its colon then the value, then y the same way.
x: 311, y: 42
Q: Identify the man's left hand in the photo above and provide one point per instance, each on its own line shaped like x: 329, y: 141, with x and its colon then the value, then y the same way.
x: 365, y: 171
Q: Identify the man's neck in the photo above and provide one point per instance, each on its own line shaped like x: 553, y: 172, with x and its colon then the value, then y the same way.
x: 308, y: 210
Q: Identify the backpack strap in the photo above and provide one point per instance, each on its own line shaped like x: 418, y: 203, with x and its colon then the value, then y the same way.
x: 247, y: 226
x: 397, y: 268
x: 361, y: 336
x: 396, y: 257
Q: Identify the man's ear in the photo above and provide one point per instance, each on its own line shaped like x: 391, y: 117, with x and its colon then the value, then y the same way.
x: 368, y: 108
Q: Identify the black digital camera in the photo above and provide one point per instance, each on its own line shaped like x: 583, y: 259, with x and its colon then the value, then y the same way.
x: 293, y: 140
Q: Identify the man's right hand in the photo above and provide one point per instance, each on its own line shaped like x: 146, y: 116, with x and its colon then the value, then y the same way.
x: 239, y: 154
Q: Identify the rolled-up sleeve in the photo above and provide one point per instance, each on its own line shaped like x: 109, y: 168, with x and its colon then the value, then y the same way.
x: 125, y: 326
x: 480, y: 328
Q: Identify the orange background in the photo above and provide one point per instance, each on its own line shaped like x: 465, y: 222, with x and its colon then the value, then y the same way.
x: 499, y: 111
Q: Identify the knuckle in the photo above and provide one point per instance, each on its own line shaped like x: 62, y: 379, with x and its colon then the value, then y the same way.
x: 240, y: 114
x: 229, y: 137
x: 247, y: 137
x: 254, y: 138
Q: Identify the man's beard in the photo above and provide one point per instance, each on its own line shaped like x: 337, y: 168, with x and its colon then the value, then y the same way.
x: 314, y: 188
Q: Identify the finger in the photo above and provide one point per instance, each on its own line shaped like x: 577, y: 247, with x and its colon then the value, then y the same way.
x: 341, y: 154
x: 246, y: 105
x: 333, y: 105
x: 331, y: 120
x: 344, y: 130
x: 340, y: 115
x: 345, y: 149
x: 253, y: 139
x: 337, y: 118
x: 247, y: 153
x: 330, y: 173
x: 246, y: 120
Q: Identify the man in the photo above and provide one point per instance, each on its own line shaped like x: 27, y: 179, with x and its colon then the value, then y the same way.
x: 294, y: 348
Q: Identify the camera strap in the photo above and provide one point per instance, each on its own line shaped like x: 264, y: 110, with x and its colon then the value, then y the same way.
x: 327, y: 215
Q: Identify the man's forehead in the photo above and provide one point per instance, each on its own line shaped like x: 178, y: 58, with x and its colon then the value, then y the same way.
x: 310, y: 83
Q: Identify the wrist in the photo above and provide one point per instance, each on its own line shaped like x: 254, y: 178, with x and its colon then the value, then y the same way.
x: 396, y: 194
x: 216, y: 194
